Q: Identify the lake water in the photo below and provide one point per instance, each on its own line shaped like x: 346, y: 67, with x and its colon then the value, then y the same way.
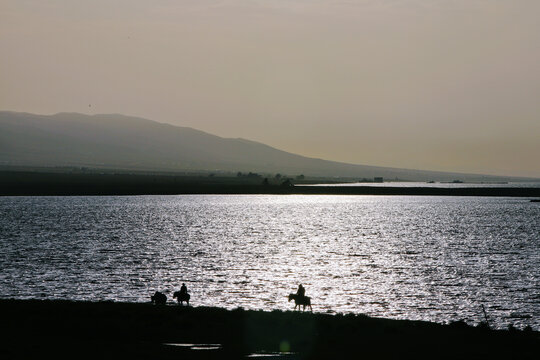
x: 445, y: 185
x: 404, y: 257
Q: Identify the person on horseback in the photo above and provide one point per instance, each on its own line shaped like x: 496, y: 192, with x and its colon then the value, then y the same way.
x: 301, y: 292
x: 182, y: 295
x: 183, y: 289
x: 300, y: 299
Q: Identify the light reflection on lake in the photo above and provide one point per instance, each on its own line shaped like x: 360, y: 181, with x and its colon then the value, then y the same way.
x: 429, y: 258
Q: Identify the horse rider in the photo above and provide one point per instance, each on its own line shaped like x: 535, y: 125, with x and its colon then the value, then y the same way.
x: 183, y: 290
x: 301, y: 291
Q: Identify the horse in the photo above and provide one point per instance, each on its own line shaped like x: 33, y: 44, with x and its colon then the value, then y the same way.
x: 159, y: 298
x: 181, y: 297
x: 301, y: 300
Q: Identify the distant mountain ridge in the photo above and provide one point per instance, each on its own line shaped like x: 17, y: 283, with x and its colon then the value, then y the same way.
x: 119, y: 141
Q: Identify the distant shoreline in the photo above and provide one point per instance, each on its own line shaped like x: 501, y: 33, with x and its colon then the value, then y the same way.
x: 26, y: 183
x: 141, y: 331
x: 197, y: 190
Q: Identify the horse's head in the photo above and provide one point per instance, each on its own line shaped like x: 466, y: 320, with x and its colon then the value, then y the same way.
x: 291, y: 297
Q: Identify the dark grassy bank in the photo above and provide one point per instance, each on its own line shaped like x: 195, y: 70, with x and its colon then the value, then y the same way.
x: 55, y: 183
x: 43, y: 329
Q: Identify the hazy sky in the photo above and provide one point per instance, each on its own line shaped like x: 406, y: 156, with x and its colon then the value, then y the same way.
x: 450, y: 85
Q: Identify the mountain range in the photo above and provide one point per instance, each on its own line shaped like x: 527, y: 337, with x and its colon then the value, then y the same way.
x: 131, y: 143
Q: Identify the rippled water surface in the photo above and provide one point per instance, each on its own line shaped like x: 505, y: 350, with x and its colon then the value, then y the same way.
x: 429, y: 258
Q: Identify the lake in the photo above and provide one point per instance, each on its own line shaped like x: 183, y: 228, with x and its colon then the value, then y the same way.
x: 404, y: 257
x: 444, y: 185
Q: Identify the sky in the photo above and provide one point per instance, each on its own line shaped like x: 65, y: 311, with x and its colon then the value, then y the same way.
x: 449, y: 85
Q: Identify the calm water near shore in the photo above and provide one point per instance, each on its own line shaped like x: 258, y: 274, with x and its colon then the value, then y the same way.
x: 406, y: 257
x: 447, y: 185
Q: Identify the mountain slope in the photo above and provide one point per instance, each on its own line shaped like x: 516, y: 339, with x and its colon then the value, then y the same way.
x: 118, y: 141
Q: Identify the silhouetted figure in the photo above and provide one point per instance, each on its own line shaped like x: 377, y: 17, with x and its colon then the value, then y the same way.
x: 182, y: 295
x: 159, y: 298
x: 298, y: 300
x: 301, y: 292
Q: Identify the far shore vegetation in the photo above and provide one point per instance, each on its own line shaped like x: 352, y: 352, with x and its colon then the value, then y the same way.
x: 106, y: 181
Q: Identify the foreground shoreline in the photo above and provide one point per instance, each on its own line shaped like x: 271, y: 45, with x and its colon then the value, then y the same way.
x: 58, y: 328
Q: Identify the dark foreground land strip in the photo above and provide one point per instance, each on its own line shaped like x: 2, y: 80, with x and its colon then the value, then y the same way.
x: 38, y: 183
x: 107, y: 330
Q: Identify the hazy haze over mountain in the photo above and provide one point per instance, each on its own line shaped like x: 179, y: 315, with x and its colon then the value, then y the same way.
x: 117, y: 141
x: 448, y: 85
